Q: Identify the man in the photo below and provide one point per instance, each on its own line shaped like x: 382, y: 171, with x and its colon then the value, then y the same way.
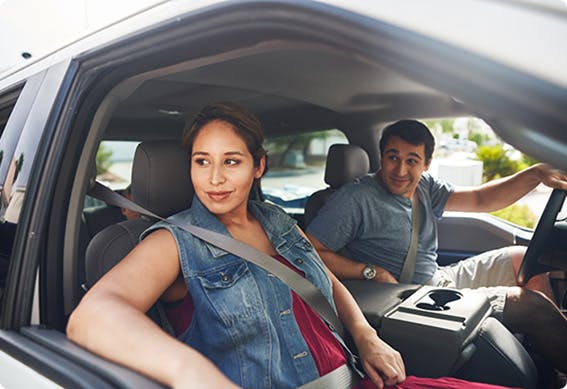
x: 372, y: 222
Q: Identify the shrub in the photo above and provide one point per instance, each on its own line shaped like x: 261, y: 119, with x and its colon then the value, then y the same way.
x: 496, y: 162
x: 519, y: 214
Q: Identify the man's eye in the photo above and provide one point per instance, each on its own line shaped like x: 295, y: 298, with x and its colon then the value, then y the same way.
x: 412, y: 162
x: 393, y: 158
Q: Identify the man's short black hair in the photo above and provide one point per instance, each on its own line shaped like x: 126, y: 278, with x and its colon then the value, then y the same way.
x: 411, y: 131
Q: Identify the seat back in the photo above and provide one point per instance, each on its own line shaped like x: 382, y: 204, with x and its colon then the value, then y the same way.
x: 345, y: 163
x: 161, y: 183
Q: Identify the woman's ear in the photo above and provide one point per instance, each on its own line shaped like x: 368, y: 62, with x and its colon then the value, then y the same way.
x: 261, y: 168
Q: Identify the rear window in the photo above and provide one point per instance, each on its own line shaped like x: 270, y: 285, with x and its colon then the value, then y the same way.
x: 296, y: 167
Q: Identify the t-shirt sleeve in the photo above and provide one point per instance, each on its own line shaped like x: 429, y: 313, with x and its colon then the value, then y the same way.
x: 439, y: 191
x: 339, y: 220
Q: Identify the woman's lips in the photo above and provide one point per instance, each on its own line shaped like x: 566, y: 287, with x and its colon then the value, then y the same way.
x: 218, y: 196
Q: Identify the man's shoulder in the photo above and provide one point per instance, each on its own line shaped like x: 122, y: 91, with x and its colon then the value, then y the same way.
x: 361, y: 185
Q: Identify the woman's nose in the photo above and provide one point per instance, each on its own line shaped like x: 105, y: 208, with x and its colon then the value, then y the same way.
x: 217, y: 176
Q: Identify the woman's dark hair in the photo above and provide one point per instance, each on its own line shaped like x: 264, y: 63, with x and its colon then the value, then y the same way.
x: 411, y: 131
x: 244, y: 123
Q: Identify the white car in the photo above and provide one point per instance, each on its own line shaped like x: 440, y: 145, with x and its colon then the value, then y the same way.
x: 301, y: 66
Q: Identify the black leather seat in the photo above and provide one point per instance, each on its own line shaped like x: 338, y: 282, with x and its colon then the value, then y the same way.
x: 345, y: 163
x: 161, y: 184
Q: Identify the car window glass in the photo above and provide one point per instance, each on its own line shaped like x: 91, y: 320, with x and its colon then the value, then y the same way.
x: 113, y: 167
x: 7, y: 172
x: 296, y: 167
x: 469, y: 153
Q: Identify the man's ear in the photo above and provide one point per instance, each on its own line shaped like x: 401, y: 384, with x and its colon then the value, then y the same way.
x: 261, y: 168
x: 427, y: 164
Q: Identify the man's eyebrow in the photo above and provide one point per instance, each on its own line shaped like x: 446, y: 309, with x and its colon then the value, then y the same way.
x: 397, y: 152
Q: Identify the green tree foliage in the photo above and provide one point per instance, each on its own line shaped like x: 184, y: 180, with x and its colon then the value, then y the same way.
x: 446, y: 125
x: 496, y: 162
x: 528, y: 161
x: 518, y: 214
x: 479, y: 138
x: 103, y: 156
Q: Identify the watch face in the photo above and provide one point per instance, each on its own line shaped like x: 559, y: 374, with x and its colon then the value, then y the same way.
x: 369, y: 272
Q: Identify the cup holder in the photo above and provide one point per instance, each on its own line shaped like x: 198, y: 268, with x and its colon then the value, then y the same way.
x: 440, y: 299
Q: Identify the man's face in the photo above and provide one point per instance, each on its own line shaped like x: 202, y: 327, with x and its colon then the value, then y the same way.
x: 402, y: 165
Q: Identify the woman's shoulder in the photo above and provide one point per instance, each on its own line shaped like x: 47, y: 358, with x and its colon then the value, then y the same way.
x: 265, y: 208
x: 182, y: 217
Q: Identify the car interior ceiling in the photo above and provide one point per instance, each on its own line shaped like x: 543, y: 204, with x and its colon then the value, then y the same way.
x: 288, y: 90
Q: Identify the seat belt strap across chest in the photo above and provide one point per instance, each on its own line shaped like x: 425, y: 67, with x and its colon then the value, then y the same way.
x: 300, y: 285
x: 408, y: 269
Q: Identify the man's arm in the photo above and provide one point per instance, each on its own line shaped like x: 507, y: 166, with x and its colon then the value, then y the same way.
x: 503, y: 192
x: 345, y: 268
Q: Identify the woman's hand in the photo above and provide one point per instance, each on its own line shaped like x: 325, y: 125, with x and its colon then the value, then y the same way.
x: 383, y: 365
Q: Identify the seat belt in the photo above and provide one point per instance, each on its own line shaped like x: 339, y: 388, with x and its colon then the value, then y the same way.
x: 408, y: 269
x: 341, y: 378
x: 300, y: 285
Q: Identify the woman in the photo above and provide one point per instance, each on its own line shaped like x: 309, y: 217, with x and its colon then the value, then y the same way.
x: 246, y: 328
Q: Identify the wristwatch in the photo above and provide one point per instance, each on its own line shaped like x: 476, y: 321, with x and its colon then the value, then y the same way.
x: 369, y: 272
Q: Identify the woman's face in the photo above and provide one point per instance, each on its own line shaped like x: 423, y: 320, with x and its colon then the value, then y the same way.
x: 222, y: 169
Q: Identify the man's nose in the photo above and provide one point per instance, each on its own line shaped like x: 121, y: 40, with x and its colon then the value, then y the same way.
x: 401, y: 169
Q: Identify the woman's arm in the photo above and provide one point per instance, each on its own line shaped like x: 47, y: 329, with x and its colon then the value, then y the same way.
x: 382, y: 363
x: 111, y: 320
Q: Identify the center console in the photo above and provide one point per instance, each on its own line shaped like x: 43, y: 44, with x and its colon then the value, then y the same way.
x: 445, y: 332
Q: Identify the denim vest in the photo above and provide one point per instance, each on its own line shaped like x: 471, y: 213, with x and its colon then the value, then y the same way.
x: 243, y: 320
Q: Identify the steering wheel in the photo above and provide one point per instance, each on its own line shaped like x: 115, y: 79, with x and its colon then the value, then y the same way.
x: 530, y: 264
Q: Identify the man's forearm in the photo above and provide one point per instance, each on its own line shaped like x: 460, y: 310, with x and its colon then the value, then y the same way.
x: 497, y: 194
x: 346, y: 268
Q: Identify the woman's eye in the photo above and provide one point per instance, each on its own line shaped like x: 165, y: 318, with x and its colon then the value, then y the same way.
x: 201, y: 161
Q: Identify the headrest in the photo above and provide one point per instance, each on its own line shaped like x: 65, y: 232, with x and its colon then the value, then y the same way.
x: 161, y: 180
x: 345, y: 163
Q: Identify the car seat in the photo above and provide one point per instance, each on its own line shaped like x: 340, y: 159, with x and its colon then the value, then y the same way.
x: 161, y: 184
x: 345, y: 163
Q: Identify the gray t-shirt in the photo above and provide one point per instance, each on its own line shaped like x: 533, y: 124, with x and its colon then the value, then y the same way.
x: 374, y: 226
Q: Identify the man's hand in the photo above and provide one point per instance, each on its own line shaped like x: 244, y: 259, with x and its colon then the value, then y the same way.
x: 383, y: 365
x: 383, y: 275
x: 554, y: 178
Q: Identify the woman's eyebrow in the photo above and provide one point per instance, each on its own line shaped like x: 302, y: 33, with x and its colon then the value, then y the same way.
x: 226, y: 153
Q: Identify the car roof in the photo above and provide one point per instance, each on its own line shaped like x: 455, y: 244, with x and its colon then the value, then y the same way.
x: 294, y: 85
